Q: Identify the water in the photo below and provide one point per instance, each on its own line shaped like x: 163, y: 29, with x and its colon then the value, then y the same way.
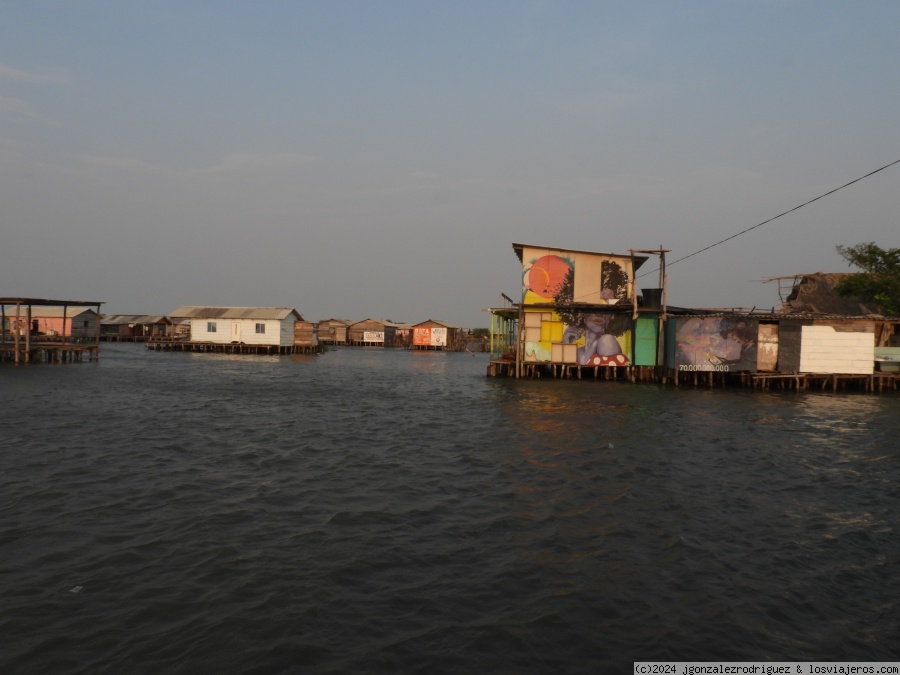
x: 371, y: 511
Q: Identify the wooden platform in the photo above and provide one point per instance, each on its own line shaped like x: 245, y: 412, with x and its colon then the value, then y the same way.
x: 47, y: 352
x: 876, y: 382
x: 175, y: 345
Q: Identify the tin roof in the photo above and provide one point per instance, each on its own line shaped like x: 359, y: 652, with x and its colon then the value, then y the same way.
x: 48, y: 303
x: 122, y: 319
x: 52, y: 312
x: 196, y: 312
x: 518, y: 248
x: 440, y: 323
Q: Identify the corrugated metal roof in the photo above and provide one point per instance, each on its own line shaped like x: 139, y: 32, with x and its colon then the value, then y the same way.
x: 48, y: 303
x: 440, y: 323
x: 122, y: 319
x: 196, y: 312
x: 777, y: 316
x: 46, y: 312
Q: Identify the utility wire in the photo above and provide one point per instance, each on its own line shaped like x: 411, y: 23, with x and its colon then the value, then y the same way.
x: 830, y: 192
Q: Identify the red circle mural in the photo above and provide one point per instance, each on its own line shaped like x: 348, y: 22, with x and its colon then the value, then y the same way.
x: 547, y: 275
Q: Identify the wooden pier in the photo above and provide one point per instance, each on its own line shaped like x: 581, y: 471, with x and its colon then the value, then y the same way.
x: 180, y: 345
x: 47, y: 352
x: 875, y: 382
x: 36, y: 330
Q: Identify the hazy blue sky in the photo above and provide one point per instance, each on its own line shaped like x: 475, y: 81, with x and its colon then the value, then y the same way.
x: 377, y: 159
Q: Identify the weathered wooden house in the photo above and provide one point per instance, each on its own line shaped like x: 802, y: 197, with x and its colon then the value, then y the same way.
x: 403, y: 335
x: 333, y: 331
x: 306, y: 336
x: 134, y: 326
x: 371, y: 333
x: 260, y: 326
x: 436, y: 335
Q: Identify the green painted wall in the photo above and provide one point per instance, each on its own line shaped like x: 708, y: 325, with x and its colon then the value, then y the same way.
x: 645, y: 333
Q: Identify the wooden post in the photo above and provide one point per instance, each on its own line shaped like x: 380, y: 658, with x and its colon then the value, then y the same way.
x: 16, y: 334
x: 520, y: 335
x: 28, y: 335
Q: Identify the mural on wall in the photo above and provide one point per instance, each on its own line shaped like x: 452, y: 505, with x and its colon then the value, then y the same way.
x: 613, y: 282
x: 576, y: 337
x: 426, y: 336
x: 590, y: 278
x: 726, y: 344
x: 570, y: 334
x: 549, y: 277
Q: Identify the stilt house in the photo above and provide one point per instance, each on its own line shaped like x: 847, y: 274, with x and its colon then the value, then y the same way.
x: 265, y: 326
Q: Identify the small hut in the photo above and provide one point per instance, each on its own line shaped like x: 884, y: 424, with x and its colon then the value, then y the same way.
x: 306, y: 338
x: 371, y: 333
x: 436, y: 336
x: 333, y: 331
x: 134, y: 326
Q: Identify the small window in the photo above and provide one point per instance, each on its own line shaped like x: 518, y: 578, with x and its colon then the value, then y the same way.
x: 211, y: 327
x: 260, y: 328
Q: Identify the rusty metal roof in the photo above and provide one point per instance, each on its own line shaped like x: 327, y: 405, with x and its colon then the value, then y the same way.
x: 122, y: 319
x: 196, y: 312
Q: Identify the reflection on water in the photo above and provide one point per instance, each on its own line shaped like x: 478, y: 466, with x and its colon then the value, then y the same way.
x: 391, y: 511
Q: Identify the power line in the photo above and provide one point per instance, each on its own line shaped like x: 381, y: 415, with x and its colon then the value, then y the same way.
x: 830, y: 192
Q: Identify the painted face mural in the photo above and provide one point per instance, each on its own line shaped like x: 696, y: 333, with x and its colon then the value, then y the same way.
x: 595, y: 338
x: 557, y: 329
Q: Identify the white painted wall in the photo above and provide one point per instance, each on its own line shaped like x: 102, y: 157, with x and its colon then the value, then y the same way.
x: 279, y: 333
x: 825, y: 350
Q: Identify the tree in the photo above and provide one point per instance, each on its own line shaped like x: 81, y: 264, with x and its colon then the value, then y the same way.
x: 879, y: 281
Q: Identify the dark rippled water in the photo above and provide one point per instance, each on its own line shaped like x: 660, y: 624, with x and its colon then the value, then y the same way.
x: 369, y: 511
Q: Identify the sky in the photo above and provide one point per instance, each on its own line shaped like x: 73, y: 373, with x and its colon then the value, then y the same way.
x: 378, y: 159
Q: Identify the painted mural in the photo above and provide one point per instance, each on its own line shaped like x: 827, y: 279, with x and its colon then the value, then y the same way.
x: 707, y: 343
x: 583, y: 338
x: 566, y: 334
x: 579, y: 277
x: 427, y: 336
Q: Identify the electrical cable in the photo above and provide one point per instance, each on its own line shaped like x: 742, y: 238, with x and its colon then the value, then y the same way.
x: 765, y: 222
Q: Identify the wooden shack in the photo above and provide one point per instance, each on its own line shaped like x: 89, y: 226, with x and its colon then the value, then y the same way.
x: 371, y: 333
x: 306, y: 337
x: 403, y: 336
x: 436, y: 336
x: 333, y: 331
x: 134, y: 327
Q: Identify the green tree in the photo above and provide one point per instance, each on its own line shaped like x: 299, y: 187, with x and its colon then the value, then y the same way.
x: 481, y: 333
x: 879, y: 281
